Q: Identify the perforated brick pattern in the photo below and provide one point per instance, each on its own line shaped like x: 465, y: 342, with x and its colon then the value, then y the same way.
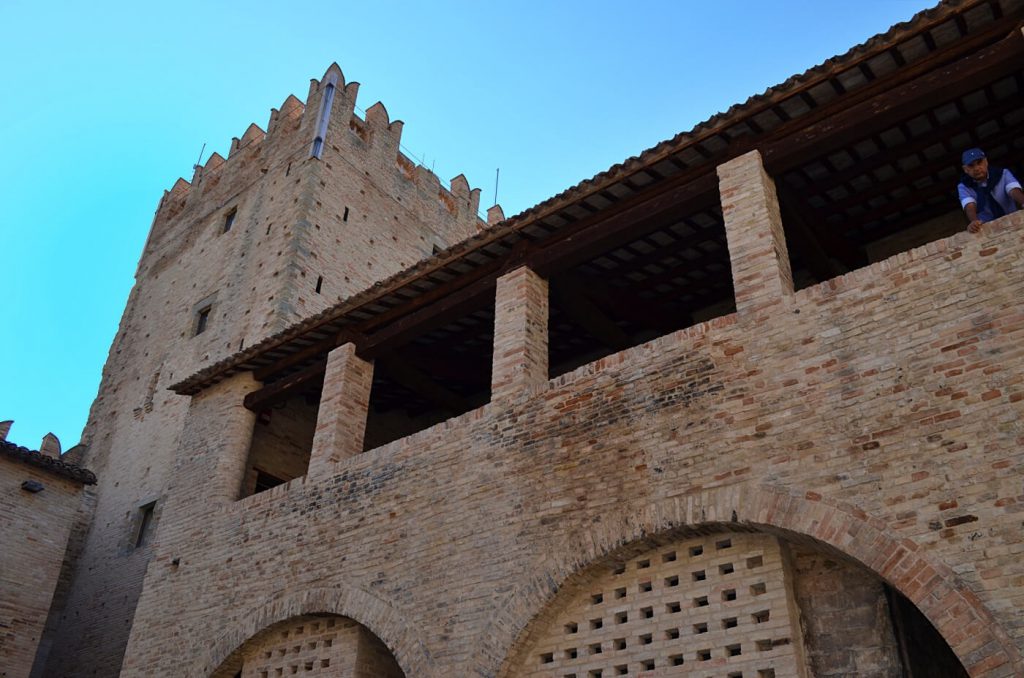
x: 319, y: 646
x: 710, y: 606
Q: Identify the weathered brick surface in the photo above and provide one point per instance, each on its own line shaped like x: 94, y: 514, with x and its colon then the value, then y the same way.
x: 341, y: 421
x: 846, y: 615
x: 359, y: 213
x: 36, y: 528
x: 877, y: 413
x: 761, y: 272
x: 520, y: 353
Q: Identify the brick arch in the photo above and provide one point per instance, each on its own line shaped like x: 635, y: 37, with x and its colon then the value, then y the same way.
x: 983, y: 647
x: 377, y: 615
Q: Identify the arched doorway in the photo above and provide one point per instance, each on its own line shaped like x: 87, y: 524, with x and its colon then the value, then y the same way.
x: 312, y: 645
x: 730, y: 605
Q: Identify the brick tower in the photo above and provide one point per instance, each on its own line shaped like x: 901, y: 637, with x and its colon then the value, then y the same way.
x: 316, y: 208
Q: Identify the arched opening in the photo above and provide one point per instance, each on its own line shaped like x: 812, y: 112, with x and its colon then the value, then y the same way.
x: 728, y: 604
x: 312, y: 645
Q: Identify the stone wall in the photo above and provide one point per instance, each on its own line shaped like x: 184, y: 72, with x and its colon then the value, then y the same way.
x: 877, y: 414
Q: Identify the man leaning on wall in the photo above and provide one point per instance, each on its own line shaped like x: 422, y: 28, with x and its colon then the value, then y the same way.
x: 986, y: 192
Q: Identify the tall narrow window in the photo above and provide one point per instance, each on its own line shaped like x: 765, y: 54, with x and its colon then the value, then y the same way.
x: 319, y: 283
x: 145, y: 524
x: 325, y: 116
x: 229, y: 219
x: 202, y: 319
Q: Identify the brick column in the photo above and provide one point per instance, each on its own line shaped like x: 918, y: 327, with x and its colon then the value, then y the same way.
x: 520, y: 358
x: 215, y: 444
x: 757, y: 245
x: 341, y: 420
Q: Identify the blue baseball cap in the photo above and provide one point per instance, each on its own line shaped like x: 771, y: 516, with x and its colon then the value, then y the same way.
x: 971, y: 154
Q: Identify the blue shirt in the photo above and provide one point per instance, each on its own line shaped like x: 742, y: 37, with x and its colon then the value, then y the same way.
x: 1000, y: 191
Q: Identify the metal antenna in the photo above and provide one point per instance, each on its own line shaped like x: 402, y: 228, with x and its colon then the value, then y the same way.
x: 497, y: 173
x: 196, y: 166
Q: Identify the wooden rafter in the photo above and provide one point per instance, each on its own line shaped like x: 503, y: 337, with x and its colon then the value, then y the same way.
x: 281, y: 390
x: 576, y: 304
x: 411, y: 377
x: 856, y: 122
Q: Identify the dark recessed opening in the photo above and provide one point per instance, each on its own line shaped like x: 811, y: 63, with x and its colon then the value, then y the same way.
x: 889, y: 187
x: 202, y: 319
x: 282, y: 439
x: 441, y: 373
x: 670, y: 272
x: 145, y: 524
x: 229, y: 219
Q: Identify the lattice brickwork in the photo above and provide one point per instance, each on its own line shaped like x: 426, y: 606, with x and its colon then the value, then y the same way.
x: 714, y: 606
x: 319, y: 646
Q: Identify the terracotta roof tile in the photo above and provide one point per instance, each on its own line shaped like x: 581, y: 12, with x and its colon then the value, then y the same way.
x: 51, y: 464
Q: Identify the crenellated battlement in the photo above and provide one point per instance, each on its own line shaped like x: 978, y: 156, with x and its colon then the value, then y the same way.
x: 370, y: 142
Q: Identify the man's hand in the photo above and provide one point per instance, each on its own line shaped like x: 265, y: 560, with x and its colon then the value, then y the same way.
x: 974, y: 226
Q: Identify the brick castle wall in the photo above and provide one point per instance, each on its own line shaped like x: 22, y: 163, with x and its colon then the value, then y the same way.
x: 876, y: 415
x: 358, y: 214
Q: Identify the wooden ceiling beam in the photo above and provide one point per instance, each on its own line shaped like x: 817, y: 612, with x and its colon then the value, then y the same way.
x: 311, y: 352
x: 411, y: 377
x: 660, y: 207
x: 890, y: 156
x: 918, y: 217
x: 285, y: 388
x: 659, y: 212
x: 625, y: 304
x: 445, y: 365
x: 817, y: 256
x: 658, y: 254
x: 930, y: 168
x: 576, y: 304
x: 440, y: 313
x: 853, y: 123
x: 915, y: 198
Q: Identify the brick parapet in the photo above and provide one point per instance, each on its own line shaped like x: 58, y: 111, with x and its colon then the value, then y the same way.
x: 876, y: 414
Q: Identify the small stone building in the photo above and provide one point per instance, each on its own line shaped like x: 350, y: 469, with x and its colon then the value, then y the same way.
x: 746, y: 405
x: 44, y: 503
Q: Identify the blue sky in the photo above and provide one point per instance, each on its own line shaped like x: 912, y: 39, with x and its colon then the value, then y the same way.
x: 107, y: 104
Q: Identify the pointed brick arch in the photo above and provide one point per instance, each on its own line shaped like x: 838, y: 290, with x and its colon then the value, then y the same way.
x: 380, y: 617
x: 957, y: 613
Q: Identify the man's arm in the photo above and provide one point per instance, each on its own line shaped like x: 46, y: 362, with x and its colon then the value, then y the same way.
x: 1018, y: 197
x: 971, y: 210
x: 969, y: 202
x: 1013, y: 188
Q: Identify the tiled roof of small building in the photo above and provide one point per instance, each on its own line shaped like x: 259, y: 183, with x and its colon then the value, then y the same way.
x: 51, y: 464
